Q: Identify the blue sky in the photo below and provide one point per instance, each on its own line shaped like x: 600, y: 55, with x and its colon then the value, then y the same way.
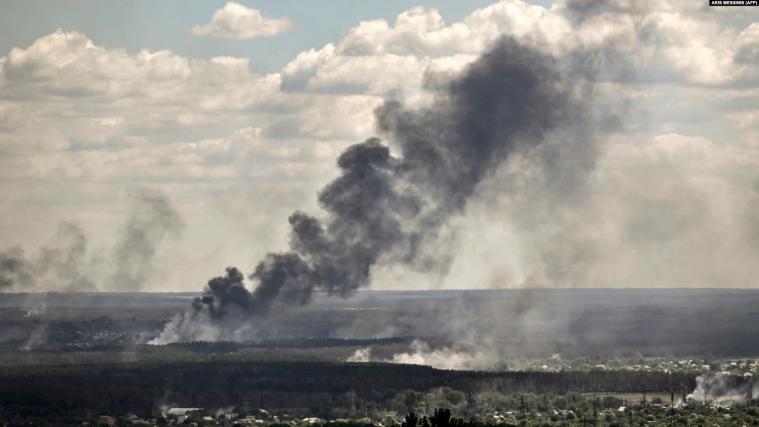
x: 239, y: 132
x: 155, y: 25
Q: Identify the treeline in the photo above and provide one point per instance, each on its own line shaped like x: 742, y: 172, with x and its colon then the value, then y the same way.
x: 288, y: 343
x: 316, y: 386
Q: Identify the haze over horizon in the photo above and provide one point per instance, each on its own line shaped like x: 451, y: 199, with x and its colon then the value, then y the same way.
x: 140, y: 151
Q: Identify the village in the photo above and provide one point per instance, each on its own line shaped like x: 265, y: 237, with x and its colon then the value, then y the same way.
x: 655, y: 412
x: 726, y: 366
x: 208, y: 417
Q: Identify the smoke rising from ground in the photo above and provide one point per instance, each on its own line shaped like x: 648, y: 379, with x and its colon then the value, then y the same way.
x: 387, y: 206
x: 151, y: 220
x: 362, y: 355
x: 66, y: 263
x: 59, y: 265
x: 449, y: 357
x: 445, y: 357
x: 724, y: 390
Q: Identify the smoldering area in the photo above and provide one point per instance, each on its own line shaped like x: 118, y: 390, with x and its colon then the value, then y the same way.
x: 506, y: 324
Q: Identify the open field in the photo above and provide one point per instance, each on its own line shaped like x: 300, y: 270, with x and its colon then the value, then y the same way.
x: 583, y: 355
x: 538, y: 322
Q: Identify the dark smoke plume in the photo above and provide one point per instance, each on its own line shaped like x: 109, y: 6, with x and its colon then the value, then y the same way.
x: 386, y: 207
x: 152, y: 219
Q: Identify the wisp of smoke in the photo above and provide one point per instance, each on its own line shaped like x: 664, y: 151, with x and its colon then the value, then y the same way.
x: 473, y: 358
x: 722, y: 390
x: 152, y: 219
x: 59, y: 265
x: 388, y: 206
x: 362, y: 355
x: 65, y: 265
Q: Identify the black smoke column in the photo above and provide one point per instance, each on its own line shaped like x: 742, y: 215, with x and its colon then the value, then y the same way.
x: 385, y: 208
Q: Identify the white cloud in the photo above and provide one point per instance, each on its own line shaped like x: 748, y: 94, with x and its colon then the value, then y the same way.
x: 86, y: 120
x: 376, y: 75
x: 747, y: 50
x: 54, y: 67
x: 651, y: 42
x: 238, y: 155
x: 330, y: 118
x: 65, y: 91
x: 235, y: 21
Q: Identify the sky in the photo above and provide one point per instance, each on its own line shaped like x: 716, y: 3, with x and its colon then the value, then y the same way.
x: 178, y: 136
x: 144, y: 24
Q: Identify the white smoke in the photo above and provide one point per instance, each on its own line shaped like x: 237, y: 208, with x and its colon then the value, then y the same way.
x: 38, y: 309
x: 362, y: 355
x: 37, y: 338
x: 179, y: 326
x: 199, y: 326
x: 455, y: 357
x: 722, y: 390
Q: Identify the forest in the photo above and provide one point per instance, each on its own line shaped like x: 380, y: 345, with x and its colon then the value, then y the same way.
x: 319, y: 387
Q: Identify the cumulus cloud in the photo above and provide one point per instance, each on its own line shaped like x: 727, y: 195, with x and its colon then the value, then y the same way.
x: 235, y: 21
x: 54, y: 65
x: 747, y: 50
x: 82, y: 119
x: 71, y: 105
x: 660, y: 42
